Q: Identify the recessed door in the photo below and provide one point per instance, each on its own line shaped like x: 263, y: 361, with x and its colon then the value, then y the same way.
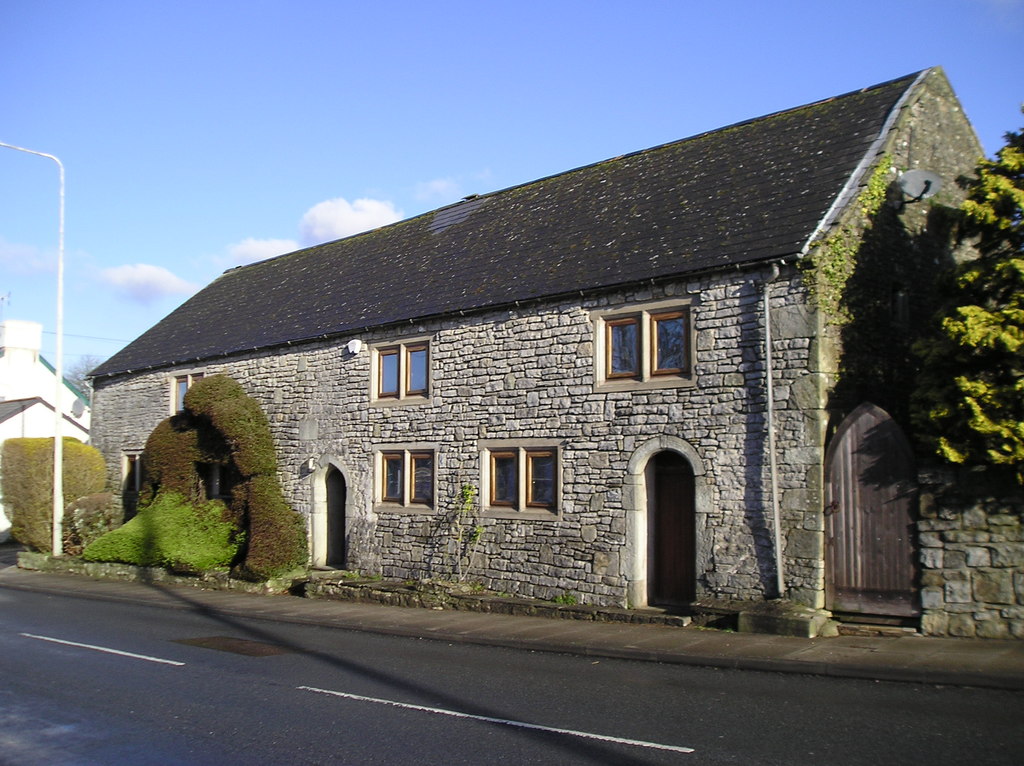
x: 672, y: 530
x: 336, y: 543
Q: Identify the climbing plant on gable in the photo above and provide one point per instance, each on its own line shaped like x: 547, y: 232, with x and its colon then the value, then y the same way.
x: 833, y: 261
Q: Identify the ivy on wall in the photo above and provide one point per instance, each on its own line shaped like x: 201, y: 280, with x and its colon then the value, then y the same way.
x: 832, y: 263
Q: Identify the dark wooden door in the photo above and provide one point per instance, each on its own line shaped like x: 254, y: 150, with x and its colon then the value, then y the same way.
x: 673, y: 531
x: 870, y: 509
x: 336, y: 549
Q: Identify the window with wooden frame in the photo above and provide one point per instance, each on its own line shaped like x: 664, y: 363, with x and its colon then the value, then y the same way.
x: 668, y: 334
x: 504, y: 478
x: 522, y: 479
x: 393, y: 476
x: 179, y: 386
x: 641, y: 347
x: 401, y: 372
x: 406, y: 477
x: 622, y: 341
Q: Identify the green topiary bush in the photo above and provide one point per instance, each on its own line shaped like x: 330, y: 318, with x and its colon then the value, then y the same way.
x: 277, y: 535
x: 220, y: 428
x: 174, y: 533
x: 170, y: 457
x: 28, y: 484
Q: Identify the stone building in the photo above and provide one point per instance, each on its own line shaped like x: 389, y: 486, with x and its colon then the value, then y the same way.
x: 563, y: 388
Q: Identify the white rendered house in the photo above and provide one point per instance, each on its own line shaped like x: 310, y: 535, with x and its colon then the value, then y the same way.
x: 28, y: 388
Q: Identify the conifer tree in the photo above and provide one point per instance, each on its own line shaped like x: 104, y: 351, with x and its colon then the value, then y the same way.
x: 970, y: 402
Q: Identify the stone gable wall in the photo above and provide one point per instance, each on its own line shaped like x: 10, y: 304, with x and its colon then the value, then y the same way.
x: 528, y: 373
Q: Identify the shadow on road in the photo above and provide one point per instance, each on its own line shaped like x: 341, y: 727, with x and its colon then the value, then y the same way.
x: 424, y: 695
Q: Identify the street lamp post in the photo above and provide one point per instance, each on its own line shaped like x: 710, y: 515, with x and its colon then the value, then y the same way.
x: 58, y: 441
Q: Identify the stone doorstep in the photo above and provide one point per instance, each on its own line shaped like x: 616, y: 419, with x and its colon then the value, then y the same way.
x: 866, y: 630
x: 783, y: 618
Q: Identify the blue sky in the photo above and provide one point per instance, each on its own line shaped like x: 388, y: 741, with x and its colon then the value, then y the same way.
x: 201, y: 135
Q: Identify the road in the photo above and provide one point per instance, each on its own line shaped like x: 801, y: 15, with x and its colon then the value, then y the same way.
x: 94, y: 682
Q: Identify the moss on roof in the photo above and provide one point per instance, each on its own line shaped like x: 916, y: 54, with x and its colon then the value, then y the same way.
x: 750, y: 192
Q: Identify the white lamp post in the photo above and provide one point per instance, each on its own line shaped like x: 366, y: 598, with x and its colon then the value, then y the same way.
x: 58, y: 441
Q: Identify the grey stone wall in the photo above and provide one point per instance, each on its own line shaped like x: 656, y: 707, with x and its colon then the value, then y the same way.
x: 528, y: 373
x: 972, y: 556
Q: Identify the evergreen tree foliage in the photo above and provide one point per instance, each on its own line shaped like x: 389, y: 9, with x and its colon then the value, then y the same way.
x: 970, y: 402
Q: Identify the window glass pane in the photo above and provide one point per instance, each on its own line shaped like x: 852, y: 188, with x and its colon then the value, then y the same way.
x: 181, y: 386
x: 423, y: 478
x: 389, y: 373
x: 504, y: 481
x: 393, y: 477
x: 622, y: 351
x: 670, y: 337
x: 417, y: 370
x: 542, y: 478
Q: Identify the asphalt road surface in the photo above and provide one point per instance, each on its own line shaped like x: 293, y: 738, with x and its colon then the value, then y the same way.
x: 93, y: 682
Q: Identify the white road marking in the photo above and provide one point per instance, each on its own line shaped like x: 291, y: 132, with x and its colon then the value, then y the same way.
x: 103, y: 649
x: 502, y: 721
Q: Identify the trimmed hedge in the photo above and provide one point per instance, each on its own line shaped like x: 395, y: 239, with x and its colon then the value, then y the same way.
x: 28, y: 484
x: 220, y: 426
x: 173, y: 533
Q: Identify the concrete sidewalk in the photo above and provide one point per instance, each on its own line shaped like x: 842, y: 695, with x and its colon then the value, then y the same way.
x: 962, y: 662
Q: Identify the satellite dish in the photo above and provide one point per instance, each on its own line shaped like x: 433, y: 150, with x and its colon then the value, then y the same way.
x: 78, y: 408
x: 919, y: 184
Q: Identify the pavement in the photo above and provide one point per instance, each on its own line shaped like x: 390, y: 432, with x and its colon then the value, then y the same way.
x: 908, y: 658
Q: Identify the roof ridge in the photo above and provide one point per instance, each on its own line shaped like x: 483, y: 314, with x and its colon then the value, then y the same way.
x: 848, y: 192
x: 741, y: 194
x: 480, y: 197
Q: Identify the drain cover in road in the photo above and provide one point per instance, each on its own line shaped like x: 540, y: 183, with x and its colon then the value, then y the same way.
x: 236, y: 645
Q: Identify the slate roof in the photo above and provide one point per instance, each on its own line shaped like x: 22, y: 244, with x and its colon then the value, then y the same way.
x: 749, y: 192
x: 11, y: 407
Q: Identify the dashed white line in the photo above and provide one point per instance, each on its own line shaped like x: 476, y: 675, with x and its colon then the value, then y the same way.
x: 501, y: 721
x: 102, y: 649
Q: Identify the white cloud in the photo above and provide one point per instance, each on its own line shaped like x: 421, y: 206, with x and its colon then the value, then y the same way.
x: 443, y: 189
x: 250, y: 250
x: 337, y: 218
x: 24, y: 259
x: 145, y: 283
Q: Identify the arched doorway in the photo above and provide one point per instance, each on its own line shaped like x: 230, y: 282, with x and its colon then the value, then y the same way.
x: 337, y: 551
x: 870, y: 511
x: 640, y: 491
x: 671, y: 530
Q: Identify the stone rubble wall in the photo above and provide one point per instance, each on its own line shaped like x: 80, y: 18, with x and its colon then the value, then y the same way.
x: 972, y: 557
x: 528, y: 373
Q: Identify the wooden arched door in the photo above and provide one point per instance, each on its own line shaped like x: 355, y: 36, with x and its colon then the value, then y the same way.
x: 672, y: 531
x: 870, y: 512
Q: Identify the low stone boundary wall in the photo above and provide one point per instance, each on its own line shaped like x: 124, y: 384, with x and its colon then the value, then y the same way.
x: 432, y: 595
x: 972, y: 556
x: 43, y: 562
